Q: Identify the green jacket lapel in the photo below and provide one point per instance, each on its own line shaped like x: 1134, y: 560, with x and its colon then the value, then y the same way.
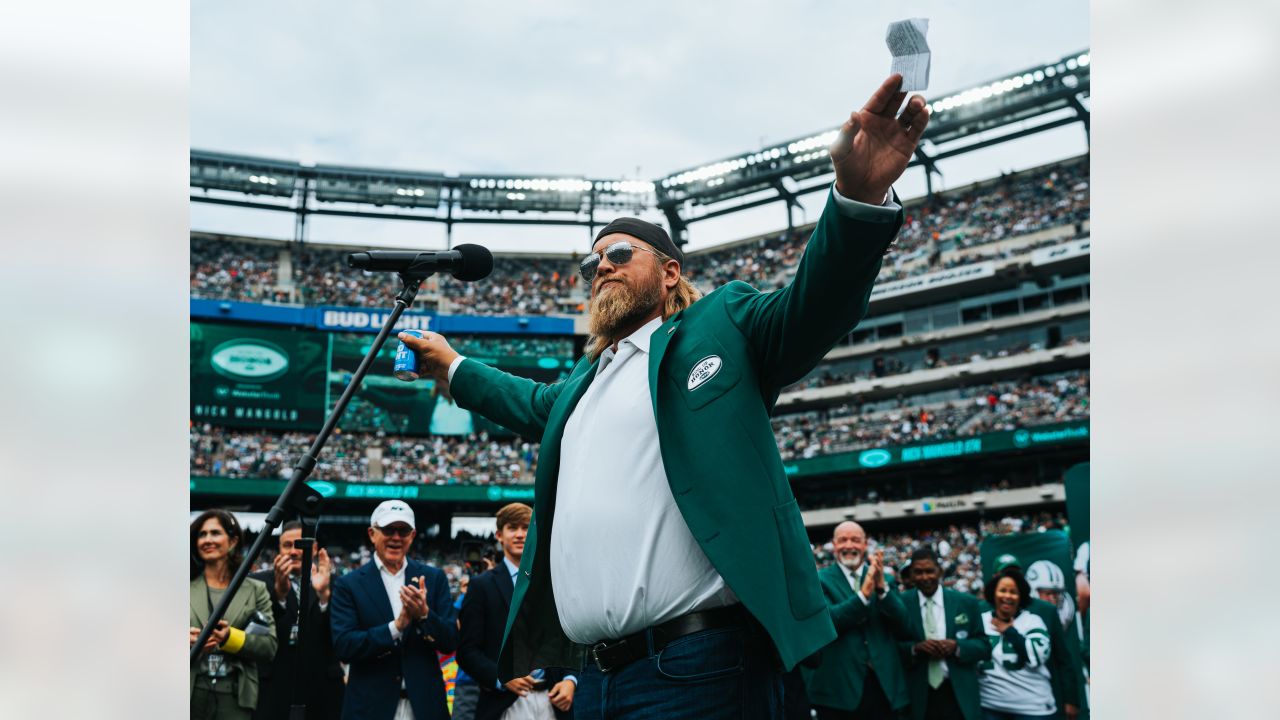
x: 658, y: 343
x: 950, y: 606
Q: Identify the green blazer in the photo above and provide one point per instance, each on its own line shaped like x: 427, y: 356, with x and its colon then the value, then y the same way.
x: 717, y: 445
x: 1065, y: 675
x: 868, y: 635
x: 252, y: 596
x: 964, y: 625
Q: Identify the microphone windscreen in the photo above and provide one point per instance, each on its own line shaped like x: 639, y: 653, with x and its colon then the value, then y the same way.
x: 477, y: 262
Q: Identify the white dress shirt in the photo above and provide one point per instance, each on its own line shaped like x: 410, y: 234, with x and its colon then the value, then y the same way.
x: 939, y: 619
x: 392, y: 582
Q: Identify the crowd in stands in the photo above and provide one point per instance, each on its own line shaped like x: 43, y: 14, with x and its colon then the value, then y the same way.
x: 480, y: 459
x: 963, y: 224
x: 224, y: 269
x: 436, y: 460
x: 987, y: 408
x: 888, y: 365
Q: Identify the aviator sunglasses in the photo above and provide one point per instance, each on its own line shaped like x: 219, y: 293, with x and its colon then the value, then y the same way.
x: 619, y: 253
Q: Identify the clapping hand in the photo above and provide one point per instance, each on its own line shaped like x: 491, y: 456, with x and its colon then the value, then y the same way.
x: 875, y: 143
x: 413, y: 601
x: 321, y: 573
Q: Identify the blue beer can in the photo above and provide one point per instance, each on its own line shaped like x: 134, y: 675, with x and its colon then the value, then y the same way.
x: 406, y: 367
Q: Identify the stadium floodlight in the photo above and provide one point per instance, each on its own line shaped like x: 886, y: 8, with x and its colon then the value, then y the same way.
x: 238, y: 173
x: 379, y: 187
x: 545, y: 193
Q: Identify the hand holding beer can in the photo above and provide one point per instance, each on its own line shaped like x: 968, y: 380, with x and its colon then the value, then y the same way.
x: 406, y: 367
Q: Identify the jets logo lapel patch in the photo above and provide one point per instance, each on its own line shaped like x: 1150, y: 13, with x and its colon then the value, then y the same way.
x: 704, y: 370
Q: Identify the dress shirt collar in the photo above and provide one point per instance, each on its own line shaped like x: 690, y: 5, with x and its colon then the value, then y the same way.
x: 638, y: 339
x: 851, y: 574
x: 936, y: 596
x: 382, y: 567
x: 512, y: 568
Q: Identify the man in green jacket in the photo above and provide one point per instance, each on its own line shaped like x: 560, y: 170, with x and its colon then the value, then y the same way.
x: 859, y: 675
x: 945, y: 642
x: 666, y: 556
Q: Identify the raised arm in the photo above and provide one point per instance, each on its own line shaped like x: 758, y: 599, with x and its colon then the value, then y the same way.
x: 792, y: 329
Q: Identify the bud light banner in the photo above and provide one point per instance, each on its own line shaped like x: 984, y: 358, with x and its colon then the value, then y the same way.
x: 365, y: 320
x: 257, y: 377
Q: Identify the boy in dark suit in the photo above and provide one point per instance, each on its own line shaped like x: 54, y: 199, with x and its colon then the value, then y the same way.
x: 543, y: 693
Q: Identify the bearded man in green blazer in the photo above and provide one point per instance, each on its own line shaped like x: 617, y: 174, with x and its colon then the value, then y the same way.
x: 666, y: 556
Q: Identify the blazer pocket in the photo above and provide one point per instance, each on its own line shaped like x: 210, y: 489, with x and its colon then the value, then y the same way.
x: 798, y: 566
x: 704, y: 372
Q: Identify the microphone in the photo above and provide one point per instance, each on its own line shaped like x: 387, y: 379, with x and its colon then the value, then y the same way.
x: 465, y: 262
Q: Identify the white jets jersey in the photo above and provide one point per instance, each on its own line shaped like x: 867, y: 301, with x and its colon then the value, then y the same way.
x: 1013, y: 681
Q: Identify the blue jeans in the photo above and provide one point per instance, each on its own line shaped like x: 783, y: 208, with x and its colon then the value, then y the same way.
x: 720, y: 674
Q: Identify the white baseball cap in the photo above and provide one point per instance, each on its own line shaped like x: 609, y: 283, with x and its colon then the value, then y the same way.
x: 390, y: 512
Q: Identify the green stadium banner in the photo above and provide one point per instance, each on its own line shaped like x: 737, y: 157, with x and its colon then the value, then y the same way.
x: 1076, y: 483
x: 248, y: 376
x: 1020, y: 439
x: 373, y: 491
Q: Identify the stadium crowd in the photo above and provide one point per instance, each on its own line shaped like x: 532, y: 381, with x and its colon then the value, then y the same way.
x: 436, y: 459
x: 962, y: 224
x: 904, y: 362
x: 999, y: 406
x: 480, y: 459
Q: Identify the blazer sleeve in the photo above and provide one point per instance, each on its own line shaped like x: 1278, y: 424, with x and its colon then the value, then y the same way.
x: 439, y: 628
x: 894, y: 613
x: 259, y: 648
x: 352, y: 643
x: 471, y: 654
x: 520, y: 404
x: 791, y: 329
x: 845, y: 614
x: 1062, y: 673
x: 975, y: 648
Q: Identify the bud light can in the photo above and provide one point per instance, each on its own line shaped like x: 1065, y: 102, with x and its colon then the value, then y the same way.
x: 406, y: 367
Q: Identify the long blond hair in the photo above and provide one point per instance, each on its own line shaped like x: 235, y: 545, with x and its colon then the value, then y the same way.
x: 681, y: 296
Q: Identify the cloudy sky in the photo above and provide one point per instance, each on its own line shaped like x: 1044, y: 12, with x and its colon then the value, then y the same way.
x: 574, y: 87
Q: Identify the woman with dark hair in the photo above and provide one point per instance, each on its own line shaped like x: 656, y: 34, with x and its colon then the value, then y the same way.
x: 224, y: 683
x: 1014, y: 683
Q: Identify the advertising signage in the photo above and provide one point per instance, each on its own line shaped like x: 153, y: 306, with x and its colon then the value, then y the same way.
x: 1022, y: 438
x: 372, y: 491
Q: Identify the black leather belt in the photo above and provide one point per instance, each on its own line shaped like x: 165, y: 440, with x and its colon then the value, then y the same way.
x: 613, y: 654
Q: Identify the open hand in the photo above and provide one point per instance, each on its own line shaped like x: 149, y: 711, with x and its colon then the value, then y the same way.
x: 875, y: 143
x: 321, y: 574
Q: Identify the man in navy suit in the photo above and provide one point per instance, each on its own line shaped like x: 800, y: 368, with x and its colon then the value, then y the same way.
x: 389, y: 618
x: 543, y: 694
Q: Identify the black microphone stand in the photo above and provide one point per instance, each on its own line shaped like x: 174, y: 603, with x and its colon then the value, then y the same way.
x: 297, y: 494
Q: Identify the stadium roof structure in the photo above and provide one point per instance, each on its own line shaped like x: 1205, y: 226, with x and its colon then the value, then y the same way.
x: 1033, y: 100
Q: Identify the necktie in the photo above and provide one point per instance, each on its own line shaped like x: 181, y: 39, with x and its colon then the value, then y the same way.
x: 931, y: 633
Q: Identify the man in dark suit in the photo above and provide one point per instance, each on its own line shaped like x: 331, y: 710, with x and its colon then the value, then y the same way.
x: 389, y: 619
x: 318, y: 669
x: 859, y: 675
x: 945, y: 643
x: 482, y: 621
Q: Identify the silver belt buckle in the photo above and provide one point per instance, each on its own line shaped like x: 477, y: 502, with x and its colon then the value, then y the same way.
x: 595, y: 657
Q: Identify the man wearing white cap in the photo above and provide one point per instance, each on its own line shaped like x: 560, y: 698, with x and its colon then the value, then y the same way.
x: 390, y: 617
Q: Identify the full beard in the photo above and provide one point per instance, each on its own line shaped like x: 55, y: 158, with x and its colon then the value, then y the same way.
x: 621, y: 307
x: 851, y: 560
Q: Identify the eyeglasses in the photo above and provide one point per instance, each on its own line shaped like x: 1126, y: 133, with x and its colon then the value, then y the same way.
x: 396, y: 531
x: 618, y: 253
